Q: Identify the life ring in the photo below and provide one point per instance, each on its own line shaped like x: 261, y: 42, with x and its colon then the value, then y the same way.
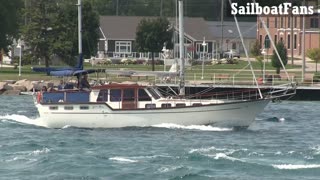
x: 39, y: 97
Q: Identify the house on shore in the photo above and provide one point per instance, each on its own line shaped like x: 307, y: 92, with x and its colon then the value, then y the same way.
x: 117, y: 38
x: 228, y: 34
x: 289, y: 30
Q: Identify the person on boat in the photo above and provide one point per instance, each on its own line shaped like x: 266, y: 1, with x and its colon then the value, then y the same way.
x: 61, y: 85
x: 84, y: 84
x: 44, y: 89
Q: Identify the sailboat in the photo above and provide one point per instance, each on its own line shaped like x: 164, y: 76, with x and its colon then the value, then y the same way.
x: 123, y: 105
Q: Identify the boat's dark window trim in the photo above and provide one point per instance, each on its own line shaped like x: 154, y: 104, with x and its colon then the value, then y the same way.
x: 180, y: 105
x: 150, y: 106
x: 196, y: 104
x: 84, y: 107
x: 68, y: 108
x: 143, y: 95
x: 154, y: 94
x: 165, y: 105
x: 115, y: 95
x: 53, y: 107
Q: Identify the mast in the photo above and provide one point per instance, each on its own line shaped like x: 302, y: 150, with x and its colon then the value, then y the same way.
x: 181, y: 45
x: 80, y: 26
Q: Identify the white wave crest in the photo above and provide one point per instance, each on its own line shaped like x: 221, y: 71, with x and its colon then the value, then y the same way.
x: 191, y: 127
x: 66, y: 127
x: 255, y: 154
x: 21, y: 159
x: 123, y: 159
x: 224, y: 156
x: 316, y: 150
x: 297, y: 166
x: 168, y: 169
x: 41, y: 151
x: 23, y: 119
x: 203, y: 150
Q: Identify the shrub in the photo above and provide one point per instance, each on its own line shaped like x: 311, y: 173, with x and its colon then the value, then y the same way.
x: 275, y: 61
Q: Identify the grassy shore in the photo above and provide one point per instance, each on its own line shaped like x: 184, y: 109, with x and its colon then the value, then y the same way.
x: 192, y: 72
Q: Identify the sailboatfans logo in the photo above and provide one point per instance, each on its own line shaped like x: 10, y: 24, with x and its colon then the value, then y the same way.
x: 282, y: 9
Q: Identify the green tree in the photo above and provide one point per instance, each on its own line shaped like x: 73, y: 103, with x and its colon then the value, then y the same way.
x: 66, y: 42
x: 255, y: 49
x: 314, y: 54
x: 40, y: 31
x: 52, y: 30
x: 275, y: 61
x: 9, y: 22
x: 152, y: 34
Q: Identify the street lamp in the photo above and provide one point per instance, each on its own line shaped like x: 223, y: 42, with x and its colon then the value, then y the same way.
x: 203, y: 49
x: 19, y: 46
x: 264, y: 65
x: 165, y: 51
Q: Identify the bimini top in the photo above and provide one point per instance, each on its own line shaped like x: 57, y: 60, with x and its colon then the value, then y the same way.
x: 73, y: 72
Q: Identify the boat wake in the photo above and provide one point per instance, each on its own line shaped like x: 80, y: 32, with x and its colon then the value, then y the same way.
x: 23, y: 119
x: 192, y: 127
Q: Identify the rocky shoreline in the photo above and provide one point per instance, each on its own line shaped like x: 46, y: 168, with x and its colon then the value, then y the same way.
x: 12, y: 87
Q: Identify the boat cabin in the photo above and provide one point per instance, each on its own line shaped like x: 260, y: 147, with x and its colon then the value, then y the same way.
x: 124, y: 96
x: 117, y: 96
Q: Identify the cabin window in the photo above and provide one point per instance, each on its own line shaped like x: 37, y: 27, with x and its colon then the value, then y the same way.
x: 128, y: 95
x: 53, y: 107
x: 68, y: 108
x: 143, y: 96
x: 115, y: 95
x: 166, y: 105
x: 150, y: 106
x: 103, y: 95
x: 196, y: 104
x: 180, y: 105
x: 153, y: 93
x: 84, y: 107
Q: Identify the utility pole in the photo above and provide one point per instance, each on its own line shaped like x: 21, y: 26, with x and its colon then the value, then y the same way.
x: 291, y: 37
x: 303, y: 45
x: 222, y: 21
x: 117, y: 9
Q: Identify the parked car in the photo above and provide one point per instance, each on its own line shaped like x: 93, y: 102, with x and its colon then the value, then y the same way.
x: 231, y: 53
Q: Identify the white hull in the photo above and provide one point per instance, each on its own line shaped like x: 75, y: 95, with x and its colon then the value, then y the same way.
x: 240, y: 114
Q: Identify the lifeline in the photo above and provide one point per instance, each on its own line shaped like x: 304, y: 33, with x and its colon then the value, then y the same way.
x: 282, y: 9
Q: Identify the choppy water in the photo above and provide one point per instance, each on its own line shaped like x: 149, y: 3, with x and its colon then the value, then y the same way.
x: 283, y: 143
